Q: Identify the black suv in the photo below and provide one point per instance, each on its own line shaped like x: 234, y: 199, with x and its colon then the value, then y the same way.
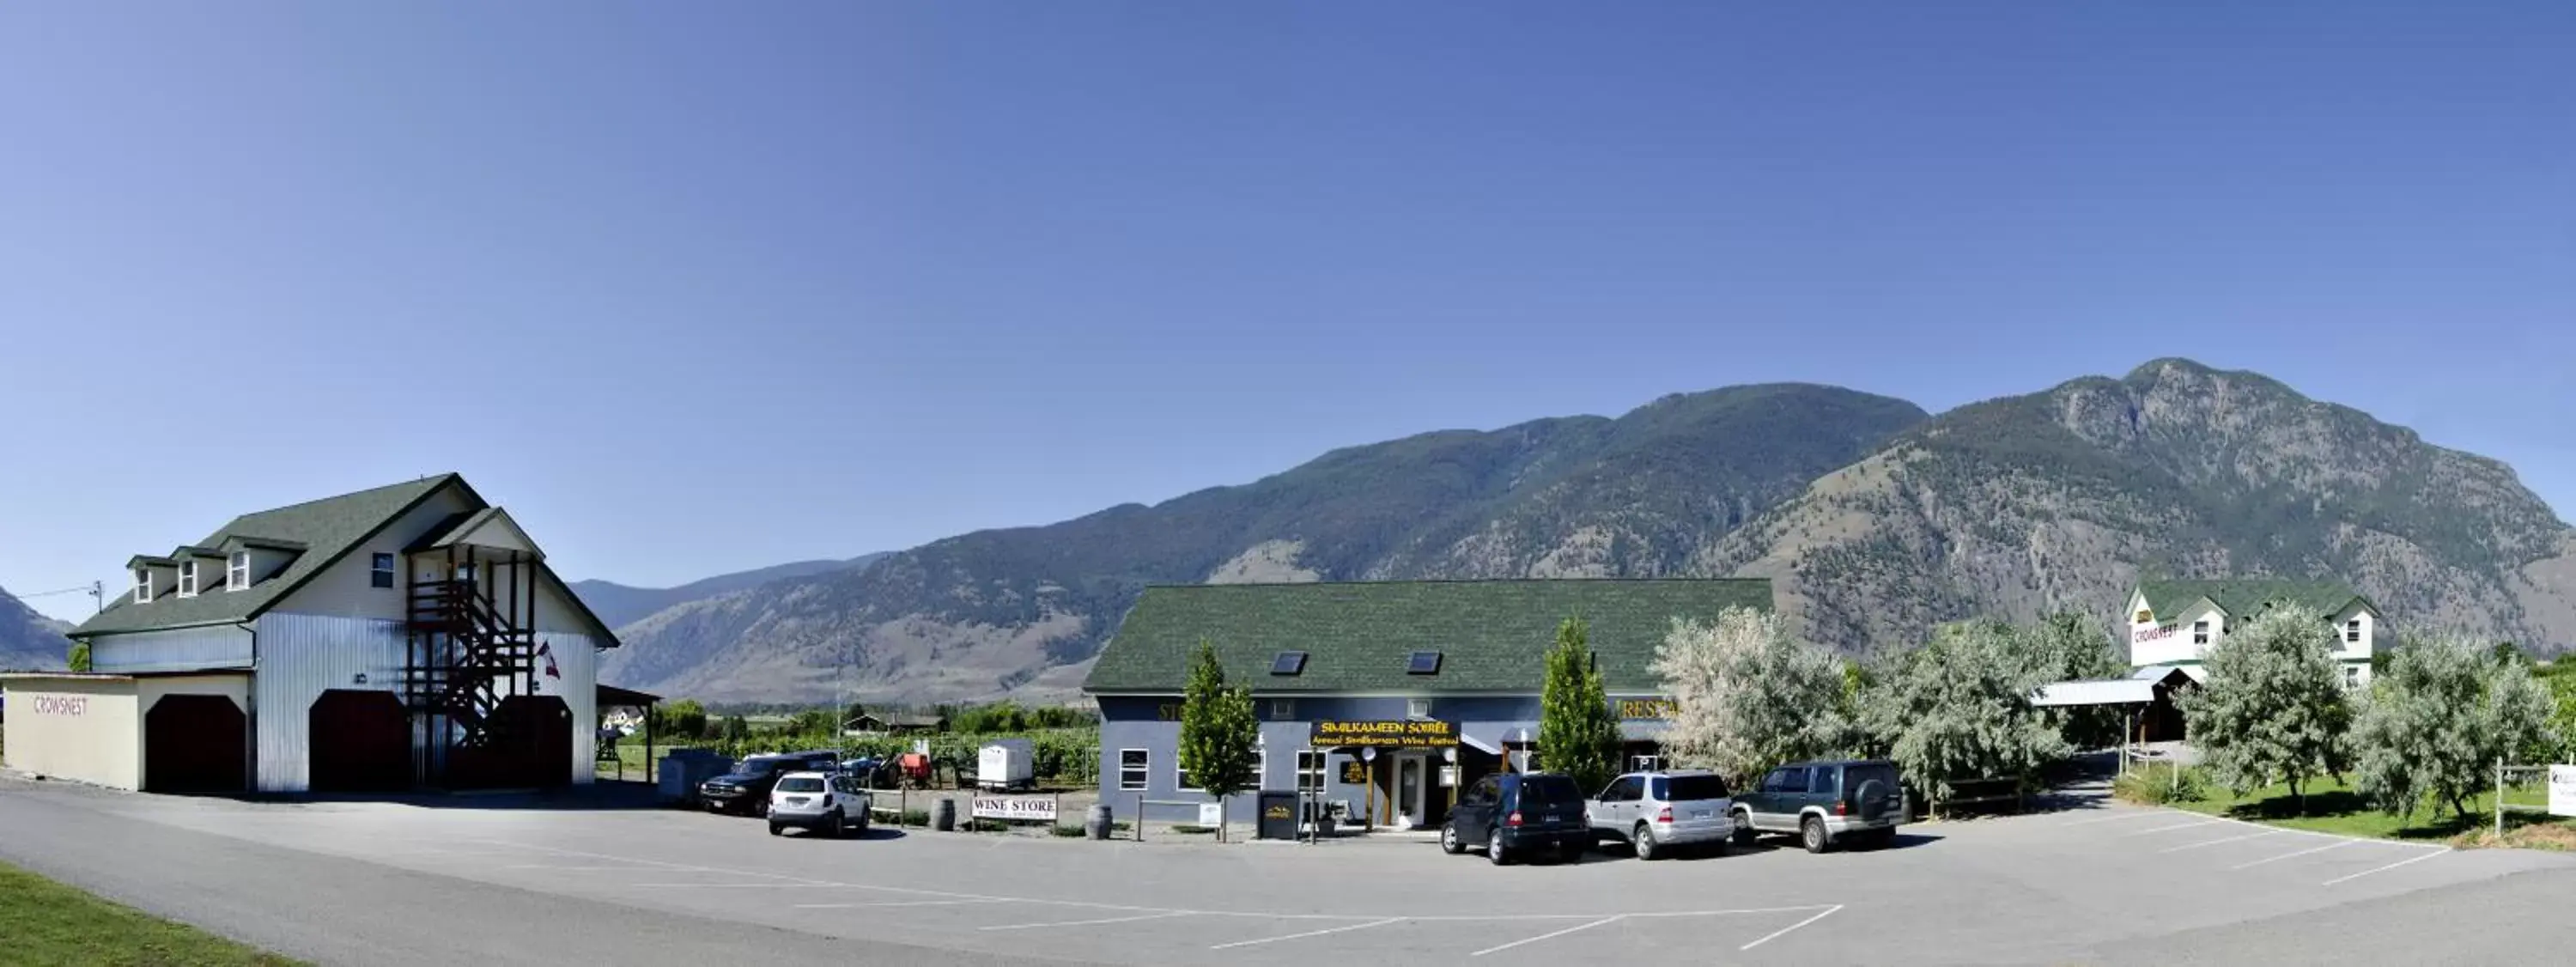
x: 745, y: 790
x: 1519, y: 813
x: 1824, y: 803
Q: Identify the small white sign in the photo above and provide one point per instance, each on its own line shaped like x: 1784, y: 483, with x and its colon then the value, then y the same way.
x: 2562, y: 790
x: 1211, y: 814
x: 998, y: 807
x: 1448, y: 776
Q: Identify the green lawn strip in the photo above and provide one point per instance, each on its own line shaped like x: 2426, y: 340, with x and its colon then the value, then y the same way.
x: 2333, y: 807
x: 49, y: 923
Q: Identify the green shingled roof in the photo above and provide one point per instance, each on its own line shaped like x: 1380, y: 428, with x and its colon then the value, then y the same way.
x: 1357, y: 636
x: 328, y: 529
x: 2244, y: 596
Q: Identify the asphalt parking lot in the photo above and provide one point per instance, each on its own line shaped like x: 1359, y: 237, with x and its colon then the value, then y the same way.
x: 352, y: 882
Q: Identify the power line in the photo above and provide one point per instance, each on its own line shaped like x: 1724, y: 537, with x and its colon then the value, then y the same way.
x: 83, y: 589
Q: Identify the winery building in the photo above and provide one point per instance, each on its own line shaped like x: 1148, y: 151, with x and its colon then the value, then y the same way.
x: 406, y: 636
x: 2173, y: 624
x: 1387, y: 697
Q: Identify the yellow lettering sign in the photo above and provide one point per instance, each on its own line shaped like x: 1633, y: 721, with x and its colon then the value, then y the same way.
x: 1648, y: 708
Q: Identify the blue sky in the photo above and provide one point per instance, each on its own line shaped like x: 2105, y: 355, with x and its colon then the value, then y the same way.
x: 695, y: 289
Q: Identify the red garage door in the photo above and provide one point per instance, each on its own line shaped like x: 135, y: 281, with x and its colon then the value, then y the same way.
x: 361, y: 742
x: 195, y: 743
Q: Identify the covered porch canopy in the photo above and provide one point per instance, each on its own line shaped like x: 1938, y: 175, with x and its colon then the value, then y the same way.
x: 611, y: 696
x: 2146, y: 696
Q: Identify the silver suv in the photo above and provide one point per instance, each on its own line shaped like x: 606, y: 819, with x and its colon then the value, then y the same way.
x: 1657, y: 812
x: 829, y: 803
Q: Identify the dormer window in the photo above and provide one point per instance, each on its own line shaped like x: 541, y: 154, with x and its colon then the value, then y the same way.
x: 188, y: 579
x: 237, y: 571
x: 142, y: 585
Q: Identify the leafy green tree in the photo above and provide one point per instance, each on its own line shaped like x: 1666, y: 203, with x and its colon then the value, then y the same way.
x: 680, y: 720
x: 851, y: 712
x: 1959, y: 707
x: 1220, y: 739
x: 2070, y: 647
x: 79, y: 657
x: 1578, y: 734
x: 1748, y: 695
x: 2562, y: 714
x: 2274, y: 709
x: 736, y: 730
x: 2437, y: 724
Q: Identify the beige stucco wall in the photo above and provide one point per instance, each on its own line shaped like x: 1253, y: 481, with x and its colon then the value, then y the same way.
x: 87, y: 729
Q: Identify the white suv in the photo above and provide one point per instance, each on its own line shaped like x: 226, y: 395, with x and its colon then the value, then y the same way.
x: 824, y: 802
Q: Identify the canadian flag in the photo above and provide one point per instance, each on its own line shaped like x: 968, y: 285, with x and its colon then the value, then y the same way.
x: 546, y: 651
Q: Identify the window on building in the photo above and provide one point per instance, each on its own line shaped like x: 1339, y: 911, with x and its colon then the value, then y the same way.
x: 2352, y: 676
x: 1181, y: 777
x: 1423, y: 663
x: 1288, y: 663
x: 142, y: 585
x: 2352, y: 630
x: 380, y: 572
x: 1283, y: 709
x: 1310, y: 771
x: 237, y: 571
x: 1135, y: 769
x: 1417, y: 708
x: 188, y: 579
x: 2200, y: 632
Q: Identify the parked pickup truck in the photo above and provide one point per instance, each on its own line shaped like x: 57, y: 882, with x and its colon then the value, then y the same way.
x: 1658, y: 813
x: 1823, y: 804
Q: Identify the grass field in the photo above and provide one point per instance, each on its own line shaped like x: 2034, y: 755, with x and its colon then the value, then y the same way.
x: 45, y: 922
x: 2333, y: 807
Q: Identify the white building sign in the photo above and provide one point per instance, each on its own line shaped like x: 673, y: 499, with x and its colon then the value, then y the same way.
x: 1211, y: 814
x: 1014, y: 807
x: 2562, y: 790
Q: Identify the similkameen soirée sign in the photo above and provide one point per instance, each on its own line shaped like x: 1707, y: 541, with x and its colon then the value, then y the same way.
x: 1388, y: 733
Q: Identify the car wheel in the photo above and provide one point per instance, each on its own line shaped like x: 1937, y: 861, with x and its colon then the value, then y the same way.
x: 760, y: 808
x: 832, y: 826
x: 777, y: 830
x: 1645, y: 842
x: 1494, y: 852
x: 1449, y: 839
x: 1811, y: 834
x: 863, y: 818
x: 1743, y: 835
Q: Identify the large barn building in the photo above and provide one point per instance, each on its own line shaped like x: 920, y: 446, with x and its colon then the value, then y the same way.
x: 401, y: 637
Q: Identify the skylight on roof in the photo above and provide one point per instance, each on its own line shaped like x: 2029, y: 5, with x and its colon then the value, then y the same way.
x: 1288, y: 663
x: 1423, y: 663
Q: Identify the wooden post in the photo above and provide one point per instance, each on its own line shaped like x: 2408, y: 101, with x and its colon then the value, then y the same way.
x: 2499, y: 797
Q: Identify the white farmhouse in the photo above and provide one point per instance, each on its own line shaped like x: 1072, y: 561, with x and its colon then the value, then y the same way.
x: 2174, y: 623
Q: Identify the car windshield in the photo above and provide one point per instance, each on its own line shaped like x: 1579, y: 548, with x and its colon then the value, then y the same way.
x: 756, y: 767
x: 1689, y: 788
x: 1549, y: 791
x: 1884, y: 775
x: 801, y: 784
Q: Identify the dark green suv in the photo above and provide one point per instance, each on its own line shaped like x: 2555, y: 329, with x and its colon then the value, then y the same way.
x: 1823, y: 803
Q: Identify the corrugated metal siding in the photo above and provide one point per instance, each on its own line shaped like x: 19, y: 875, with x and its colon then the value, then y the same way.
x: 182, y: 649
x: 299, y: 657
x: 577, y: 658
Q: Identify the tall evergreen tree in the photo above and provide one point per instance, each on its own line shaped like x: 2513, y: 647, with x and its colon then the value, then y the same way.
x: 1578, y: 735
x: 1220, y: 738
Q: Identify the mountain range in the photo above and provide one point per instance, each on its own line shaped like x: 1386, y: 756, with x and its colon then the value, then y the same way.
x: 1876, y: 519
x: 29, y: 641
x: 619, y: 605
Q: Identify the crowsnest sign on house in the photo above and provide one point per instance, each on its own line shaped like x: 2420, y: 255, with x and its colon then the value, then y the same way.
x: 1387, y: 734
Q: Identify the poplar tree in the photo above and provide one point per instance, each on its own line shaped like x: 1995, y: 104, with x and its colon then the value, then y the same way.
x: 2440, y: 720
x: 1220, y: 738
x: 1577, y: 733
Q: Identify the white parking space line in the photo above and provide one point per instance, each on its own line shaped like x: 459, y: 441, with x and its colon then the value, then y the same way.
x: 1310, y: 933
x: 891, y: 903
x: 1088, y: 923
x: 2383, y: 869
x: 1545, y: 936
x: 2195, y: 824
x: 2214, y: 842
x: 2123, y: 817
x: 1784, y: 931
x: 2275, y: 859
x: 583, y: 869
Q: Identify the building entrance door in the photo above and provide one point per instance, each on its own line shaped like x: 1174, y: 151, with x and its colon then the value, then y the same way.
x: 1410, y: 784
